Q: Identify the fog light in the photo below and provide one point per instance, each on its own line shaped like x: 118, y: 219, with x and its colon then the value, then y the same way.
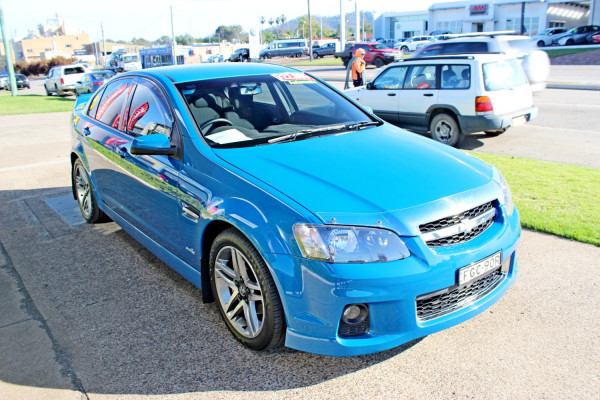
x: 354, y: 321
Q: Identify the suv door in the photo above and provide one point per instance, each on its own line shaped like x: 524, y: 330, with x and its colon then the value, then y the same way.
x: 383, y: 94
x: 146, y: 185
x: 419, y: 92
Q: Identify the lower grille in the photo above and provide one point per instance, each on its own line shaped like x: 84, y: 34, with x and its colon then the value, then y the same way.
x: 430, y: 307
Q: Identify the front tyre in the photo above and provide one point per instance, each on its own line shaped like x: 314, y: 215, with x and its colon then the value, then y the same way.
x: 379, y: 62
x: 445, y: 129
x: 85, y: 194
x: 245, y: 292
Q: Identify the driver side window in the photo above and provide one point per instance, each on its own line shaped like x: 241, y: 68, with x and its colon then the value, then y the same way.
x: 149, y: 112
x: 390, y: 79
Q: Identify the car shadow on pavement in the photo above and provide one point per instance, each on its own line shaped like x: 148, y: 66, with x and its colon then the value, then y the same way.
x: 123, y: 322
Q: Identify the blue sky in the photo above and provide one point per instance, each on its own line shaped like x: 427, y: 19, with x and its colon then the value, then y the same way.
x: 150, y: 19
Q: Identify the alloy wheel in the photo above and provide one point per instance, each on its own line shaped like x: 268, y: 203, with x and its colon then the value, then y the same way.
x: 82, y: 189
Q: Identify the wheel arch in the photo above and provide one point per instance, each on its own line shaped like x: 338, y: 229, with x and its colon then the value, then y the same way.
x: 442, y: 109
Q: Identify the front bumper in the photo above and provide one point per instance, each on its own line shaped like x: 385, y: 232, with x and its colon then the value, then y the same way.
x: 478, y: 123
x: 314, y: 294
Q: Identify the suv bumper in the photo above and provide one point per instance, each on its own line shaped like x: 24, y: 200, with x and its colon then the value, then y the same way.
x: 478, y: 123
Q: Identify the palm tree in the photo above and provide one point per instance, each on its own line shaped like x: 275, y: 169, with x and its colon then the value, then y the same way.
x: 277, y: 21
x: 271, y: 21
x: 282, y: 18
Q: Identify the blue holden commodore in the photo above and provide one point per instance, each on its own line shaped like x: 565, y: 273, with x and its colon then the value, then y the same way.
x: 310, y: 222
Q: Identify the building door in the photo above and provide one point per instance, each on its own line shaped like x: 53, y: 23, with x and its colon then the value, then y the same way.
x: 478, y: 27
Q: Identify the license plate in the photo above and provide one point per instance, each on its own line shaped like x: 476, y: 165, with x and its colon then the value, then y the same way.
x: 519, y: 120
x: 479, y: 268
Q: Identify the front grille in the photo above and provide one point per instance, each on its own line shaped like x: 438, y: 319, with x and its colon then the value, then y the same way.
x: 430, y: 307
x: 456, y: 220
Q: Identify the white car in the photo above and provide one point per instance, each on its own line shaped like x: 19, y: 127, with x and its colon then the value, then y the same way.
x: 451, y: 96
x: 411, y: 43
x: 545, y: 37
x: 62, y: 79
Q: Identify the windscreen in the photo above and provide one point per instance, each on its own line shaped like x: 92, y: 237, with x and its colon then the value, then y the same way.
x: 130, y: 59
x: 504, y: 74
x: 252, y: 110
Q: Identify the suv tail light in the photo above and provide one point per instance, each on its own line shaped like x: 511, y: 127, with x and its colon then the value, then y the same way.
x: 62, y: 81
x: 483, y: 104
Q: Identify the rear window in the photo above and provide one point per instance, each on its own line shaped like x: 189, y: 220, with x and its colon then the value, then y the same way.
x: 103, y: 75
x: 74, y: 70
x: 504, y: 74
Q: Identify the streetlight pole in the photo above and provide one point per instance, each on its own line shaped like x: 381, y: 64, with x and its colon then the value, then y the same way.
x: 342, y: 27
x: 173, y: 39
x: 309, y: 33
x: 357, y: 16
x: 8, y: 53
x: 103, y: 46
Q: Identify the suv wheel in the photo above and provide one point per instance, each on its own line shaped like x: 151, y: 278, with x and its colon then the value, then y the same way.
x: 445, y: 129
x: 48, y: 93
x: 404, y: 49
x: 378, y: 62
x: 299, y: 54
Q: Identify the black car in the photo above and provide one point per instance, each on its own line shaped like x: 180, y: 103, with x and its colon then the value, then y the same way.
x: 22, y: 82
x: 240, y: 55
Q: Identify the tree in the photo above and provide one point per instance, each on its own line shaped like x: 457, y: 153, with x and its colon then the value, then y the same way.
x: 271, y: 21
x: 277, y: 21
x: 282, y: 18
x: 186, y: 39
x: 140, y: 41
x: 229, y: 32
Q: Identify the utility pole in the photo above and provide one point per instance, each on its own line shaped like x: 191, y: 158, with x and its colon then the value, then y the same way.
x: 173, y: 39
x: 103, y: 53
x: 310, y: 35
x: 342, y: 27
x: 522, y: 18
x: 357, y: 15
x: 8, y: 53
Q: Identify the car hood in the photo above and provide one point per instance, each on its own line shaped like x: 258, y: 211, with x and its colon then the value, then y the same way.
x: 377, y: 176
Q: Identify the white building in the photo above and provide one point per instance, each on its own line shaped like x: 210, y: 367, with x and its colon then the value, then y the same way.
x: 486, y: 16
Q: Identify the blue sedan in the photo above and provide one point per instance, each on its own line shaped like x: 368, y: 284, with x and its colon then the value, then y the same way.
x: 309, y: 222
x: 92, y: 81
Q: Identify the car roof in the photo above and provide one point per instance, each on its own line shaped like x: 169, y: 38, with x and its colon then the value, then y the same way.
x: 483, y: 57
x: 194, y: 72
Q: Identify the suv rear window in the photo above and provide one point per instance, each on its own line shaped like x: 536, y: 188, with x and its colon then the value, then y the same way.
x: 504, y: 74
x: 74, y: 70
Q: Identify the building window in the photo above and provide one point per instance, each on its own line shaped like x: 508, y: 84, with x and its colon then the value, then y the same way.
x: 29, y: 50
x: 68, y: 45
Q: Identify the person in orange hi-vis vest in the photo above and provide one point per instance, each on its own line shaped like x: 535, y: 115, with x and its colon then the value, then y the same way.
x: 358, y: 67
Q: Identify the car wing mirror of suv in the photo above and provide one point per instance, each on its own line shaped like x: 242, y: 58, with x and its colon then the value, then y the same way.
x: 153, y: 144
x: 369, y: 86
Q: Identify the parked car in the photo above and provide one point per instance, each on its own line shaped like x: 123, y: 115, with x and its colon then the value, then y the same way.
x: 450, y: 96
x: 62, y: 79
x: 22, y: 82
x: 240, y: 55
x: 3, y: 79
x: 577, y: 35
x: 410, y: 44
x: 90, y: 82
x: 325, y: 50
x: 594, y: 38
x: 376, y: 54
x: 285, y: 48
x: 227, y: 174
x: 534, y: 62
x: 545, y: 37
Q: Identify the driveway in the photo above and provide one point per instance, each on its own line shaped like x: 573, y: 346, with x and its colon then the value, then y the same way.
x: 102, y: 318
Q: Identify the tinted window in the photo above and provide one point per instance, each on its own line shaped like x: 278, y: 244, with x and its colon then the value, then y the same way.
x: 392, y: 78
x: 464, y: 48
x: 148, y: 112
x: 110, y: 109
x: 503, y: 75
x: 456, y: 77
x: 103, y: 75
x: 421, y: 77
x: 94, y: 104
x: 74, y: 70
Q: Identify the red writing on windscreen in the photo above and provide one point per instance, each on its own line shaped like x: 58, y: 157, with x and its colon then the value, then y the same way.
x: 292, y: 76
x: 136, y: 115
x: 111, y: 99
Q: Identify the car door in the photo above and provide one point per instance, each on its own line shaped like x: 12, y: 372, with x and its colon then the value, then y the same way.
x: 146, y: 185
x: 101, y: 131
x: 419, y: 92
x: 383, y: 94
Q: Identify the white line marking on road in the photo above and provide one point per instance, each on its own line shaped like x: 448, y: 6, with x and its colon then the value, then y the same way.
x: 35, y: 165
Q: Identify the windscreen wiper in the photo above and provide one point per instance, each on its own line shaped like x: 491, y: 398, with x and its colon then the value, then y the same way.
x: 362, y: 124
x: 292, y: 136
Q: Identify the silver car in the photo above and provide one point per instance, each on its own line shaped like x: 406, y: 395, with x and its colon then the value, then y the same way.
x: 545, y: 37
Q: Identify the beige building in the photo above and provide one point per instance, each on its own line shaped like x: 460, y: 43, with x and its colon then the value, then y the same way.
x: 42, y: 48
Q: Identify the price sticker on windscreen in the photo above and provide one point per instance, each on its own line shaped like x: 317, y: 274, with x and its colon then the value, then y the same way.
x: 294, y: 78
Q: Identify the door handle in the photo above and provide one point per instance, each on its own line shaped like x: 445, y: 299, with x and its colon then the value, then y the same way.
x: 86, y: 131
x: 391, y: 94
x: 122, y: 151
x: 428, y: 94
x: 190, y: 212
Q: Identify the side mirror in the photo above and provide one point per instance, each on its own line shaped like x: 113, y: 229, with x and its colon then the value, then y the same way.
x: 369, y: 86
x: 153, y: 144
x: 79, y: 82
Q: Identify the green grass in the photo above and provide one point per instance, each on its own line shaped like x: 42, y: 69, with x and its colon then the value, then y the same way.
x: 32, y: 104
x: 320, y: 62
x: 552, y: 53
x: 560, y: 199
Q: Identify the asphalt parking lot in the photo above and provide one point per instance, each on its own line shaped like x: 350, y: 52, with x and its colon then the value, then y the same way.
x: 100, y: 317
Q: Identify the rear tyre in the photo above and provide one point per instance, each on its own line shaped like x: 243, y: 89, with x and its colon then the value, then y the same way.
x: 541, y: 43
x: 378, y: 62
x: 245, y: 292
x: 48, y: 93
x: 299, y: 54
x: 404, y: 49
x: 85, y: 194
x: 570, y: 42
x: 445, y: 129
x: 315, y: 55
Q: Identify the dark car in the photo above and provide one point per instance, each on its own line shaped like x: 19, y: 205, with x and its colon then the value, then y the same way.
x: 577, y: 35
x: 325, y: 50
x: 240, y: 55
x: 91, y: 81
x: 22, y: 82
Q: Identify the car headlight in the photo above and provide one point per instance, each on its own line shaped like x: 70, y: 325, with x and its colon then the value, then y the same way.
x: 506, y: 198
x: 349, y: 244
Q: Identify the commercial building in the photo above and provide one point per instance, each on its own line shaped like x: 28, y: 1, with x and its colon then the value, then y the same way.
x: 486, y: 16
x: 44, y: 48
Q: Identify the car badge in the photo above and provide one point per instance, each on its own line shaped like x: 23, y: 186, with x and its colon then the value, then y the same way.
x: 467, y: 225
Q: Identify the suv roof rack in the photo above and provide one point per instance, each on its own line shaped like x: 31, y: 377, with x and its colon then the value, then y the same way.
x: 449, y: 56
x: 475, y: 34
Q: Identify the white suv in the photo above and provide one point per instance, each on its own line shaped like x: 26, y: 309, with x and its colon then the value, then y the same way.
x: 412, y: 43
x: 450, y: 96
x: 62, y: 79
